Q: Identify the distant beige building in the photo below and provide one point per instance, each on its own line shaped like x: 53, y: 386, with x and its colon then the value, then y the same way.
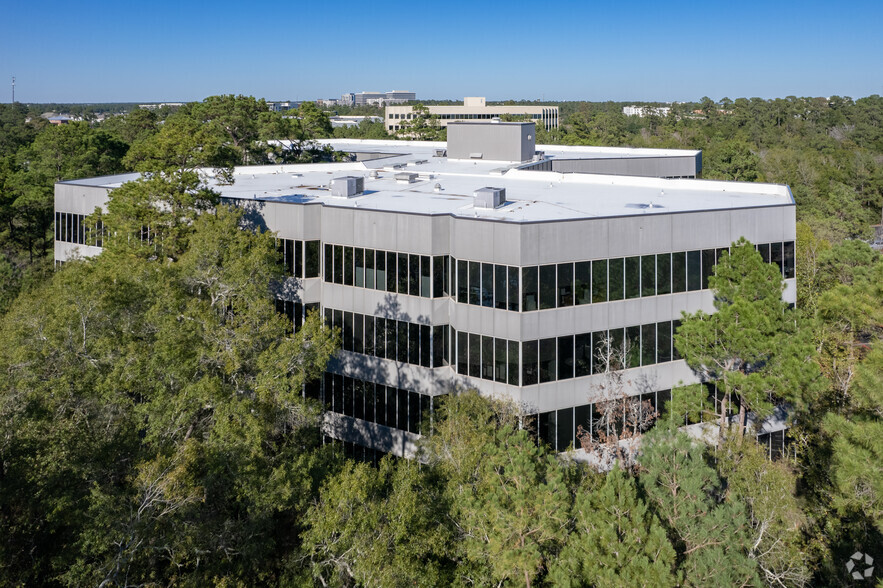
x: 474, y: 108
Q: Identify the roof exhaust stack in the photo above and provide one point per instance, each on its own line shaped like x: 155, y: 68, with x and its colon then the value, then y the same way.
x: 489, y: 197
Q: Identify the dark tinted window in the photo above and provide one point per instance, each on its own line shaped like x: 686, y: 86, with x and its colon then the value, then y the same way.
x: 583, y: 355
x: 616, y: 279
x: 529, y: 288
x: 565, y: 284
x: 513, y: 363
x: 462, y: 281
x: 648, y: 275
x: 475, y: 356
x: 679, y: 271
x: 663, y: 273
x: 529, y: 363
x: 348, y: 266
x: 565, y: 357
x: 599, y: 280
x: 582, y: 286
x: 500, y: 287
x: 487, y: 358
x: 694, y: 270
x: 500, y: 362
x: 547, y: 287
x: 487, y: 284
x: 548, y: 360
x: 475, y: 283
x: 648, y: 344
x: 632, y: 277
x: 513, y: 289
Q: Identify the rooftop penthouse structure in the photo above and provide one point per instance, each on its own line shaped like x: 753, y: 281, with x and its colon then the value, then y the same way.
x: 490, y: 263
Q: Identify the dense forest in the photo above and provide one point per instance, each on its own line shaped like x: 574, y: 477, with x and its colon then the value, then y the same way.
x: 153, y: 431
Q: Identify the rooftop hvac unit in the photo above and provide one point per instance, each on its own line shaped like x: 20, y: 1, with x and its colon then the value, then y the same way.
x: 406, y: 177
x: 347, y: 186
x: 489, y: 197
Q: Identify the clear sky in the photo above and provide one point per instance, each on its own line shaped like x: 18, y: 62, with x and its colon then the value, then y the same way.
x: 629, y: 50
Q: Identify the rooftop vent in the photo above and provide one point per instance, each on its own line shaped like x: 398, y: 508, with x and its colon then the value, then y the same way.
x: 406, y: 177
x: 441, y: 152
x: 374, y: 173
x: 347, y: 186
x: 489, y: 197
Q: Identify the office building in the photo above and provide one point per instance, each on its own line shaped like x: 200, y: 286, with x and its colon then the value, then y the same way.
x: 473, y: 109
x: 468, y: 265
x: 376, y: 98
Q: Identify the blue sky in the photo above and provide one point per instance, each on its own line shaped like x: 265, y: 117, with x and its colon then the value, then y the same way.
x: 637, y: 50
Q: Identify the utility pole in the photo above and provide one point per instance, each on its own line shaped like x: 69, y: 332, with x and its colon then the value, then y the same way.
x: 13, y: 89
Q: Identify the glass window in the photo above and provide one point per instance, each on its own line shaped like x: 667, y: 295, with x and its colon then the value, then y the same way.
x: 380, y: 404
x: 369, y: 268
x: 338, y: 264
x: 500, y: 288
x: 663, y: 341
x: 360, y: 267
x: 487, y: 284
x: 547, y: 287
x: 599, y: 280
x: 632, y: 277
x: 391, y: 271
x: 513, y: 289
x: 679, y: 271
x: 565, y: 357
x: 582, y: 282
x: 413, y: 343
x: 475, y: 355
x: 311, y: 259
x: 370, y: 402
x: 764, y: 249
x: 359, y: 399
x: 391, y: 347
x: 788, y: 255
x: 616, y: 279
x: 708, y: 261
x: 402, y: 274
x: 648, y: 275
x: 600, y: 352
x: 288, y: 256
x: 513, y: 363
x: 529, y: 288
x: 358, y: 333
x: 582, y: 355
x: 425, y: 272
x: 776, y: 256
x: 475, y: 283
x: 529, y: 363
x: 487, y: 358
x: 402, y: 398
x: 338, y: 393
x: 663, y: 273
x: 438, y: 276
x: 329, y: 261
x: 548, y: 360
x: 617, y: 345
x: 369, y: 335
x: 438, y: 345
x: 564, y: 426
x: 462, y: 281
x: 648, y: 344
x: 413, y: 274
x: 565, y: 284
x: 298, y: 259
x: 500, y: 362
x: 402, y: 341
x: 633, y: 358
x: 582, y: 416
x: 348, y: 266
x: 694, y: 270
x: 380, y: 264
x: 414, y: 412
x: 347, y: 331
x: 462, y: 353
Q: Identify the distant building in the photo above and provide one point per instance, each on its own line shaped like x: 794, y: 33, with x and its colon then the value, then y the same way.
x: 474, y: 109
x: 643, y: 111
x: 160, y: 105
x: 376, y: 98
x: 282, y: 106
x: 61, y: 119
x: 351, y: 121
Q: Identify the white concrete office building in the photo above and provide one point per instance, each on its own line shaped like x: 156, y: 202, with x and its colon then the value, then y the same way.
x: 446, y: 270
x: 474, y: 108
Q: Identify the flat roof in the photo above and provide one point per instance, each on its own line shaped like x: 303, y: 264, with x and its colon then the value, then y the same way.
x: 446, y: 186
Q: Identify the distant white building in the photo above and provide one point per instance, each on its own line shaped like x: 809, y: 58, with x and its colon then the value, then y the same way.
x: 643, y: 111
x: 474, y: 108
x: 376, y: 98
